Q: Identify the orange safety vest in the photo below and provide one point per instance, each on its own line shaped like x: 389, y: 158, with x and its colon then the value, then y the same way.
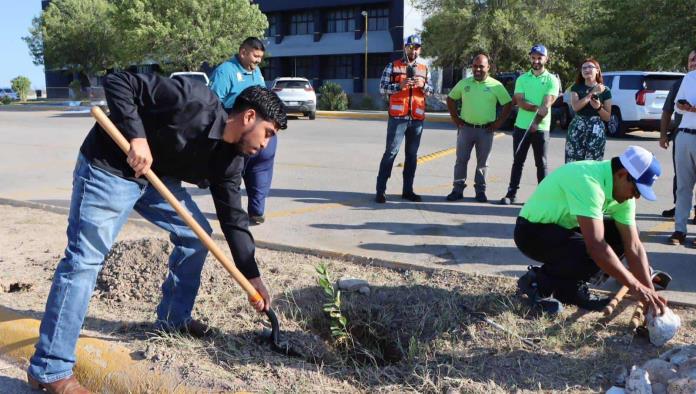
x: 408, y: 101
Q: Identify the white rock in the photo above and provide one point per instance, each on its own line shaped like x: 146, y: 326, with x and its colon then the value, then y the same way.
x: 638, y: 382
x: 351, y: 284
x: 659, y: 388
x: 684, y: 353
x: 615, y: 390
x: 682, y: 386
x: 662, y: 328
x: 660, y: 371
x: 687, y: 369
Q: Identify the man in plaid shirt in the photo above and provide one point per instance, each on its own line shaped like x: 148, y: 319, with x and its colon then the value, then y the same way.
x: 407, y: 82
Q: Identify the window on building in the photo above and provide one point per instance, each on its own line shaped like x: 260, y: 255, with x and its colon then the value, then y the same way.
x: 339, y: 67
x: 378, y: 19
x: 301, y: 23
x: 340, y: 20
x: 301, y: 66
x: 376, y: 64
x: 271, y: 69
x: 272, y: 26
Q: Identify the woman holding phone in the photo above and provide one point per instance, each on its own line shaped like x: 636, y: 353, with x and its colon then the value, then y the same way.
x: 591, y: 101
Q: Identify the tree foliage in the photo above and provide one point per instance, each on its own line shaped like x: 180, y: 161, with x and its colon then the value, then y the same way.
x: 620, y: 34
x: 183, y: 34
x: 77, y: 35
x: 21, y: 85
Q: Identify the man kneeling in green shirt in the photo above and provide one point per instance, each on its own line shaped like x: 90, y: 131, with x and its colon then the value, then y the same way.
x: 580, y: 219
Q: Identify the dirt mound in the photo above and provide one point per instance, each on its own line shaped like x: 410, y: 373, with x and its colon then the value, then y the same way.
x: 134, y: 270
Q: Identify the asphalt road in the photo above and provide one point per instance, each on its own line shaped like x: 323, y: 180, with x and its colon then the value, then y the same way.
x: 323, y: 191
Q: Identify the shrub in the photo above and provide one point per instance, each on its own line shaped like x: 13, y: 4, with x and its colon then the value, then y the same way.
x: 332, y: 97
x: 5, y: 100
x: 365, y: 102
x: 21, y: 85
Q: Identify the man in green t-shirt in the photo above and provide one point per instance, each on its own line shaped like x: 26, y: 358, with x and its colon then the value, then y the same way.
x: 476, y: 123
x: 581, y: 219
x: 535, y: 92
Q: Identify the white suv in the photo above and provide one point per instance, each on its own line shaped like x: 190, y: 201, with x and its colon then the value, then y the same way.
x: 637, y: 98
x: 297, y: 95
x: 194, y: 75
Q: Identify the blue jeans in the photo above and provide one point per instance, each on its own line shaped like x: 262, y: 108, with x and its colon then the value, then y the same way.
x: 396, y: 130
x: 258, y: 173
x: 100, y: 205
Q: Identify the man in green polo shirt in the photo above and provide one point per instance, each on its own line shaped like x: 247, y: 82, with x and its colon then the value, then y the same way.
x: 581, y: 219
x: 475, y: 124
x: 535, y: 92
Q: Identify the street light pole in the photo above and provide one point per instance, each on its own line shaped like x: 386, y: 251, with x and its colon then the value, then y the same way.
x: 364, y: 13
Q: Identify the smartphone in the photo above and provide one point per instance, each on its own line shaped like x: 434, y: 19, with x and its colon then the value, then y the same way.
x: 682, y: 101
x: 594, y: 97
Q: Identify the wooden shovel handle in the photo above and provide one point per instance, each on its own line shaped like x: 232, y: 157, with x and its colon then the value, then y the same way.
x: 154, y: 180
x: 609, y: 309
x: 638, y: 316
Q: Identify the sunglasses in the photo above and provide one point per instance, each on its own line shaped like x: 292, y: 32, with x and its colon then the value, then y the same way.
x: 588, y: 67
x: 413, y: 46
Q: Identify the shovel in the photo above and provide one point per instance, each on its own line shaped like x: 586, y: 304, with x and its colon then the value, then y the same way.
x: 274, y: 337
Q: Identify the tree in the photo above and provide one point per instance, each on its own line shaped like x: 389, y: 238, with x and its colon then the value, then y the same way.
x: 76, y: 35
x: 183, y: 34
x: 21, y: 85
x: 456, y: 30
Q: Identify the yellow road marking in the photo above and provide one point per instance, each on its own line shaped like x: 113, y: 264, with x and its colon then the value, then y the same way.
x: 442, y: 153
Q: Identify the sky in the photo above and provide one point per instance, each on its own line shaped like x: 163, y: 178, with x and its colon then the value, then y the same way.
x: 14, y: 53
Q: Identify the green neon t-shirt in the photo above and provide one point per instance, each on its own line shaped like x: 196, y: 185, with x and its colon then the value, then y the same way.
x: 581, y: 188
x: 534, y: 89
x: 479, y: 99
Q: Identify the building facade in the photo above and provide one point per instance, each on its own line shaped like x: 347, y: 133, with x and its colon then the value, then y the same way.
x: 336, y: 41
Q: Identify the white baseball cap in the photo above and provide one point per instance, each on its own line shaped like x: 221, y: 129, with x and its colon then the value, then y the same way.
x: 643, y: 167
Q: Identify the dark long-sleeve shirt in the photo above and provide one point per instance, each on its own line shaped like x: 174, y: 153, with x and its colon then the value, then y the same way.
x: 183, y: 122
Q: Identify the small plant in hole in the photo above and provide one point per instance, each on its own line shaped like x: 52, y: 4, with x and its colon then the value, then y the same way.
x: 332, y: 308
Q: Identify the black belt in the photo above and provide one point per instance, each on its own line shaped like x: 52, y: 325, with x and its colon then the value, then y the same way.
x: 478, y: 126
x: 687, y: 131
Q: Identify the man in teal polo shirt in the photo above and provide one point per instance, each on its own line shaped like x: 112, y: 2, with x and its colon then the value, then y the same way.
x: 535, y: 92
x: 476, y: 123
x: 229, y: 79
x: 581, y: 219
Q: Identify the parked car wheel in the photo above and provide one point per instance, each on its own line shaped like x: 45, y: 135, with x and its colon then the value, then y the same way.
x: 312, y: 115
x: 616, y: 127
x: 560, y: 117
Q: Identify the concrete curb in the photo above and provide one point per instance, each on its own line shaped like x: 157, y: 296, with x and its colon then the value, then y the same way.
x: 101, y: 366
x: 378, y: 115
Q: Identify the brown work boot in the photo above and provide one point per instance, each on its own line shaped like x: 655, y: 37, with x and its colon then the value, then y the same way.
x: 69, y: 385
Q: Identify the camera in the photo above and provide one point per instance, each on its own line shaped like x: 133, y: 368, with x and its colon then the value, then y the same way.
x: 594, y: 97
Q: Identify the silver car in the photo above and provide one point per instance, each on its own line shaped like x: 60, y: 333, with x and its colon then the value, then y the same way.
x: 7, y: 92
x: 297, y: 95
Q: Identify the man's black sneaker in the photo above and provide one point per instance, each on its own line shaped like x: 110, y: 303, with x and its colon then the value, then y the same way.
x: 529, y: 286
x: 584, y: 299
x: 507, y: 200
x: 481, y: 197
x: 455, y: 196
x: 668, y: 213
x: 380, y: 198
x: 411, y: 197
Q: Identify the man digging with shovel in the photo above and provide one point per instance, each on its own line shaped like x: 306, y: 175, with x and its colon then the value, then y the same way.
x: 563, y: 226
x: 179, y: 128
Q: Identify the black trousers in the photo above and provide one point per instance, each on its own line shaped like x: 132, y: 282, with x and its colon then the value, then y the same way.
x: 539, y: 141
x: 563, y: 252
